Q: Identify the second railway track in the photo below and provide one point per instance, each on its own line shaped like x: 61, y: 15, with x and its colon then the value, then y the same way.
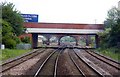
x: 49, y: 65
x: 104, y: 65
x: 85, y: 67
x: 8, y: 65
x: 111, y: 62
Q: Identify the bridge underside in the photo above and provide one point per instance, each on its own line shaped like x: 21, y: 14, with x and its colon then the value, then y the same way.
x: 64, y: 31
x: 60, y: 35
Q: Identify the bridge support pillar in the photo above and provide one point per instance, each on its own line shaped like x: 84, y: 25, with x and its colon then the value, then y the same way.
x: 59, y: 37
x: 48, y: 36
x: 77, y: 43
x: 58, y: 41
x: 77, y: 40
x: 48, y: 41
x: 34, y: 40
x: 97, y: 41
x: 87, y: 40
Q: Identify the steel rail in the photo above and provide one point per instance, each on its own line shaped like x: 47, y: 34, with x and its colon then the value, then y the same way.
x: 117, y: 67
x: 45, y: 61
x: 56, y: 63
x: 17, y: 58
x: 81, y: 72
x: 7, y: 63
x: 106, y: 57
x: 95, y: 70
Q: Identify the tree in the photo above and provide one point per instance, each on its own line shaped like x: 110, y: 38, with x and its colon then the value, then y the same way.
x: 6, y: 29
x: 112, y: 18
x: 12, y: 25
x: 114, y: 38
x: 111, y: 36
x: 11, y: 15
x: 104, y: 37
x: 8, y: 37
x: 0, y: 32
x: 0, y: 35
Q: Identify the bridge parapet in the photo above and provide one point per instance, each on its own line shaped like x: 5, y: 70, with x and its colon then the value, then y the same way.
x: 64, y: 28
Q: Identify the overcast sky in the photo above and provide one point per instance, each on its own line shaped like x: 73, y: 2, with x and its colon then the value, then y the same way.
x: 66, y: 11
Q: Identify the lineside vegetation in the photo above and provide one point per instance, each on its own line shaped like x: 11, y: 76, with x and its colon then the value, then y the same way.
x: 110, y: 38
x: 11, y: 53
x: 12, y: 26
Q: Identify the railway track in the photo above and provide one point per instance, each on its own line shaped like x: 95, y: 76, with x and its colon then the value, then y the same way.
x: 49, y: 66
x: 113, y: 71
x: 86, y: 67
x: 10, y: 64
x: 106, y: 60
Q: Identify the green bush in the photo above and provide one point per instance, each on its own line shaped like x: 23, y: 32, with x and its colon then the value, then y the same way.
x: 9, y: 43
x: 11, y: 53
x: 17, y: 39
x: 110, y: 52
x: 25, y: 39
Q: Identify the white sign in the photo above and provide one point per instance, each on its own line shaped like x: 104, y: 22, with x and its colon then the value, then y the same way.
x: 2, y: 46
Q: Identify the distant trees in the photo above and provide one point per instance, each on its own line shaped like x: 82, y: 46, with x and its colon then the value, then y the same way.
x: 68, y: 39
x: 111, y: 36
x: 12, y: 25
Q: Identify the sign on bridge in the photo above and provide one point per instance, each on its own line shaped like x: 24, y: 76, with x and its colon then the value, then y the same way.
x: 30, y: 17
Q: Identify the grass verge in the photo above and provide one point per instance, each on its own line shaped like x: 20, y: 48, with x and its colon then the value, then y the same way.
x: 11, y: 53
x: 113, y: 53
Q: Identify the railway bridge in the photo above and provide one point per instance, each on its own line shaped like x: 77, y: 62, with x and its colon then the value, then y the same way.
x: 60, y: 30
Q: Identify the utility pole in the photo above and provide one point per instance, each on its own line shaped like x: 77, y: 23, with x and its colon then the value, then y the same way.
x: 119, y: 9
x: 119, y: 5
